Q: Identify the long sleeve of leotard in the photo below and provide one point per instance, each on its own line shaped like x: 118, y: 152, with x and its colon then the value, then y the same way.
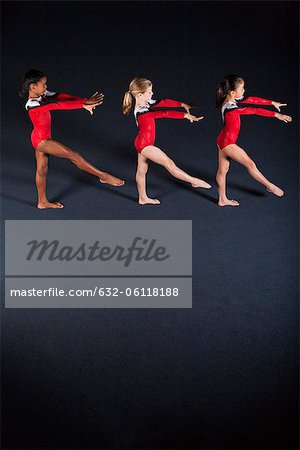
x: 63, y: 96
x: 67, y: 104
x: 255, y: 101
x: 166, y: 103
x: 257, y: 111
x: 165, y: 114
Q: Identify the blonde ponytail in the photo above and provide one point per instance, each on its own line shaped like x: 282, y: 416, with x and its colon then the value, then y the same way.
x: 127, y: 103
x: 137, y: 86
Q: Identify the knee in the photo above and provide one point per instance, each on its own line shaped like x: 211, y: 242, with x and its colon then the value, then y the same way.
x: 75, y: 157
x: 142, y: 170
x: 42, y: 170
x: 250, y: 165
x: 169, y: 164
x: 222, y: 171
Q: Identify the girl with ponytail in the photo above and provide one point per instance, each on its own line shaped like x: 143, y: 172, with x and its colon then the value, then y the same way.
x: 146, y: 111
x: 229, y: 94
x: 40, y: 103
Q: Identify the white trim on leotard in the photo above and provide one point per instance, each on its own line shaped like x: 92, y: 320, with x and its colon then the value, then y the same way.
x: 34, y: 102
x: 228, y: 105
x: 143, y: 109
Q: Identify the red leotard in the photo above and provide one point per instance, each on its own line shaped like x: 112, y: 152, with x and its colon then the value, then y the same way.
x: 145, y: 119
x: 231, y: 116
x: 39, y: 112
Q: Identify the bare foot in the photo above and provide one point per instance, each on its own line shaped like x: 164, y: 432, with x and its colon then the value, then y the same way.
x: 149, y: 201
x: 227, y: 202
x: 275, y: 190
x: 110, y: 179
x: 45, y: 205
x: 200, y: 184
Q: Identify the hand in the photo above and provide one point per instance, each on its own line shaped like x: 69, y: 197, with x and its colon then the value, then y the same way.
x: 91, y: 108
x: 278, y: 105
x: 92, y: 102
x: 188, y: 106
x: 283, y: 117
x: 95, y: 98
x: 192, y: 118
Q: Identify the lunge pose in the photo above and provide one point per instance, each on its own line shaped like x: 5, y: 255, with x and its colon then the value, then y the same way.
x: 229, y: 94
x: 146, y: 111
x: 40, y: 103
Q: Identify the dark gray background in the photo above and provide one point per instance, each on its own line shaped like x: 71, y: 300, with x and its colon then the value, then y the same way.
x: 223, y: 374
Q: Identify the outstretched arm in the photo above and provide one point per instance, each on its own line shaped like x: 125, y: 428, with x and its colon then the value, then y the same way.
x: 172, y: 115
x: 167, y: 114
x: 264, y: 112
x: 255, y: 101
x: 62, y: 105
x: 166, y: 103
x: 62, y: 96
x: 262, y: 101
x: 87, y: 103
x: 258, y: 111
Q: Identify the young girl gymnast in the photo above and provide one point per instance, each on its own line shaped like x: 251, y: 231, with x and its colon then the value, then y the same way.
x: 146, y: 111
x: 230, y: 91
x: 40, y: 103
